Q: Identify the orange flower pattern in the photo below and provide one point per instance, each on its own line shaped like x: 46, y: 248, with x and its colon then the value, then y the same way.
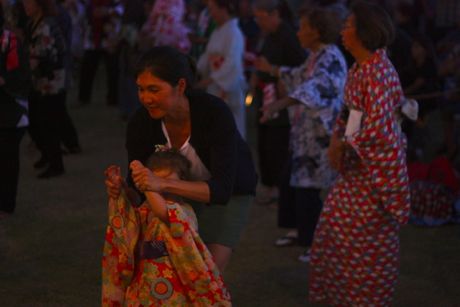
x: 147, y: 262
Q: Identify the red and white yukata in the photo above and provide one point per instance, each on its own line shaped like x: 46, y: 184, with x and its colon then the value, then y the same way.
x: 355, y: 252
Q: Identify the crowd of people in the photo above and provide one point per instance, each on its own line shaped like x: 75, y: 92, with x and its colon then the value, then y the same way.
x: 348, y: 94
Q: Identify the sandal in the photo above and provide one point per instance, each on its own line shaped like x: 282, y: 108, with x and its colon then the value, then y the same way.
x: 305, y: 256
x: 287, y: 240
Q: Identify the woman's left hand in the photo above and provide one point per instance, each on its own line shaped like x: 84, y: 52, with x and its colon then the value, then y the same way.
x: 143, y: 178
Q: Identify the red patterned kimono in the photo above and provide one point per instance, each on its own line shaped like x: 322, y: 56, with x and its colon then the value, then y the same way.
x: 355, y: 253
x: 149, y: 263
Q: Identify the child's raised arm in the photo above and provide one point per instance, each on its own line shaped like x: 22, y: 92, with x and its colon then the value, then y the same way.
x: 156, y: 201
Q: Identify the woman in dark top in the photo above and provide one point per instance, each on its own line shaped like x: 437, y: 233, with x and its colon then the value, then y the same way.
x: 282, y: 48
x: 202, y: 127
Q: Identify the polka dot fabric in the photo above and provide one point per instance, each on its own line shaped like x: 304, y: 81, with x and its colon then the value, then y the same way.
x: 355, y: 253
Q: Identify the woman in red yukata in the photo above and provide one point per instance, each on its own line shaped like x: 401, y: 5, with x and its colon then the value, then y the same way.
x: 153, y: 255
x: 355, y: 252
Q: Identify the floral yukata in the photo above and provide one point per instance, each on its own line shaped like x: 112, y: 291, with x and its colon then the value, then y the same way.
x: 354, y: 259
x: 165, y: 25
x: 318, y: 86
x: 47, y: 51
x: 149, y: 263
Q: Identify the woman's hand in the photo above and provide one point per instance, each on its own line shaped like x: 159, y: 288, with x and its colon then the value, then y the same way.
x: 269, y: 111
x: 263, y: 65
x: 113, y: 181
x: 143, y: 178
x: 335, y: 152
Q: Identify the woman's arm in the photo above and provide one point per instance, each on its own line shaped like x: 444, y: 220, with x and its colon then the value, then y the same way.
x: 145, y: 181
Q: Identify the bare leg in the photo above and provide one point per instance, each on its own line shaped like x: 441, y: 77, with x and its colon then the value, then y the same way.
x: 221, y: 255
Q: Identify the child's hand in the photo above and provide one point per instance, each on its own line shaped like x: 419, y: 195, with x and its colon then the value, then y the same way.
x: 113, y: 181
x: 143, y: 178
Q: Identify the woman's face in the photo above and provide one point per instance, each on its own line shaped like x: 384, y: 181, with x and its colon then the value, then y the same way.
x: 156, y: 95
x: 350, y: 38
x: 31, y: 8
x: 264, y: 20
x: 307, y: 35
x: 215, y: 11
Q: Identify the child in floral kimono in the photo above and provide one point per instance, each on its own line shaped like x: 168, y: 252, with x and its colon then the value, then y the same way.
x: 153, y: 255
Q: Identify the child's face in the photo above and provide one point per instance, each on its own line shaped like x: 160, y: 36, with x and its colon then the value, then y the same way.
x: 165, y: 173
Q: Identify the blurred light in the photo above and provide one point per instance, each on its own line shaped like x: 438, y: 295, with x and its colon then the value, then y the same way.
x: 248, y: 100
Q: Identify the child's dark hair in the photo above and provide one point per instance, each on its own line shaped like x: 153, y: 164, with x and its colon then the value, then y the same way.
x: 168, y: 64
x: 170, y: 159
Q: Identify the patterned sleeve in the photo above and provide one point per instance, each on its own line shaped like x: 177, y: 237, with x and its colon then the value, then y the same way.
x: 379, y: 144
x: 291, y: 75
x: 226, y: 74
x: 192, y: 260
x: 118, y: 253
x: 181, y: 219
x: 325, y: 84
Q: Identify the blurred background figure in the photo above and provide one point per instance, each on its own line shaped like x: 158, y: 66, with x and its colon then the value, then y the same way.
x: 165, y: 26
x: 221, y: 65
x: 47, y: 52
x: 280, y: 47
x: 104, y: 22
x: 13, y: 113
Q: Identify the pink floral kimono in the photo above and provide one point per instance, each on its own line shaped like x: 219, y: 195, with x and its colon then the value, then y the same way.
x: 149, y: 263
x: 165, y: 25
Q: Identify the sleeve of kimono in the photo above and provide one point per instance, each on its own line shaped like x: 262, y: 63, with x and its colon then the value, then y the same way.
x: 378, y: 144
x: 227, y: 75
x: 118, y: 253
x: 192, y: 260
x: 289, y: 75
x: 51, y: 48
x: 326, y: 82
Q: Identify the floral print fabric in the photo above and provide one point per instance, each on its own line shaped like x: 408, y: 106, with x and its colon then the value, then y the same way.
x: 318, y: 87
x: 149, y: 263
x: 355, y: 252
x: 47, y: 52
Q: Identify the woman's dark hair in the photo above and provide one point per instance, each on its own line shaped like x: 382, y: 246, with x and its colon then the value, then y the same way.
x: 230, y: 5
x: 168, y: 64
x: 374, y: 26
x: 170, y: 159
x: 49, y: 7
x: 270, y: 6
x: 326, y: 21
x: 426, y: 43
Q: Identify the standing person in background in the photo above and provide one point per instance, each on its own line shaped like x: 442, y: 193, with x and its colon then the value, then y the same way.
x: 355, y: 252
x: 314, y: 99
x: 221, y: 64
x: 104, y: 20
x: 13, y: 116
x: 203, y: 129
x: 69, y: 136
x: 280, y: 46
x: 165, y: 26
x: 47, y: 99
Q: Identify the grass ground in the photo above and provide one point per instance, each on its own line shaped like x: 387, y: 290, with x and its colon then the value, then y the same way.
x: 50, y: 250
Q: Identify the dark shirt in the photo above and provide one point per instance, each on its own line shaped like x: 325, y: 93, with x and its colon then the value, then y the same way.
x: 280, y: 48
x: 213, y: 136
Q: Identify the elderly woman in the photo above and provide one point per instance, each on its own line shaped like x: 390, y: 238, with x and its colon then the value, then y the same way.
x: 315, y: 95
x: 354, y: 257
